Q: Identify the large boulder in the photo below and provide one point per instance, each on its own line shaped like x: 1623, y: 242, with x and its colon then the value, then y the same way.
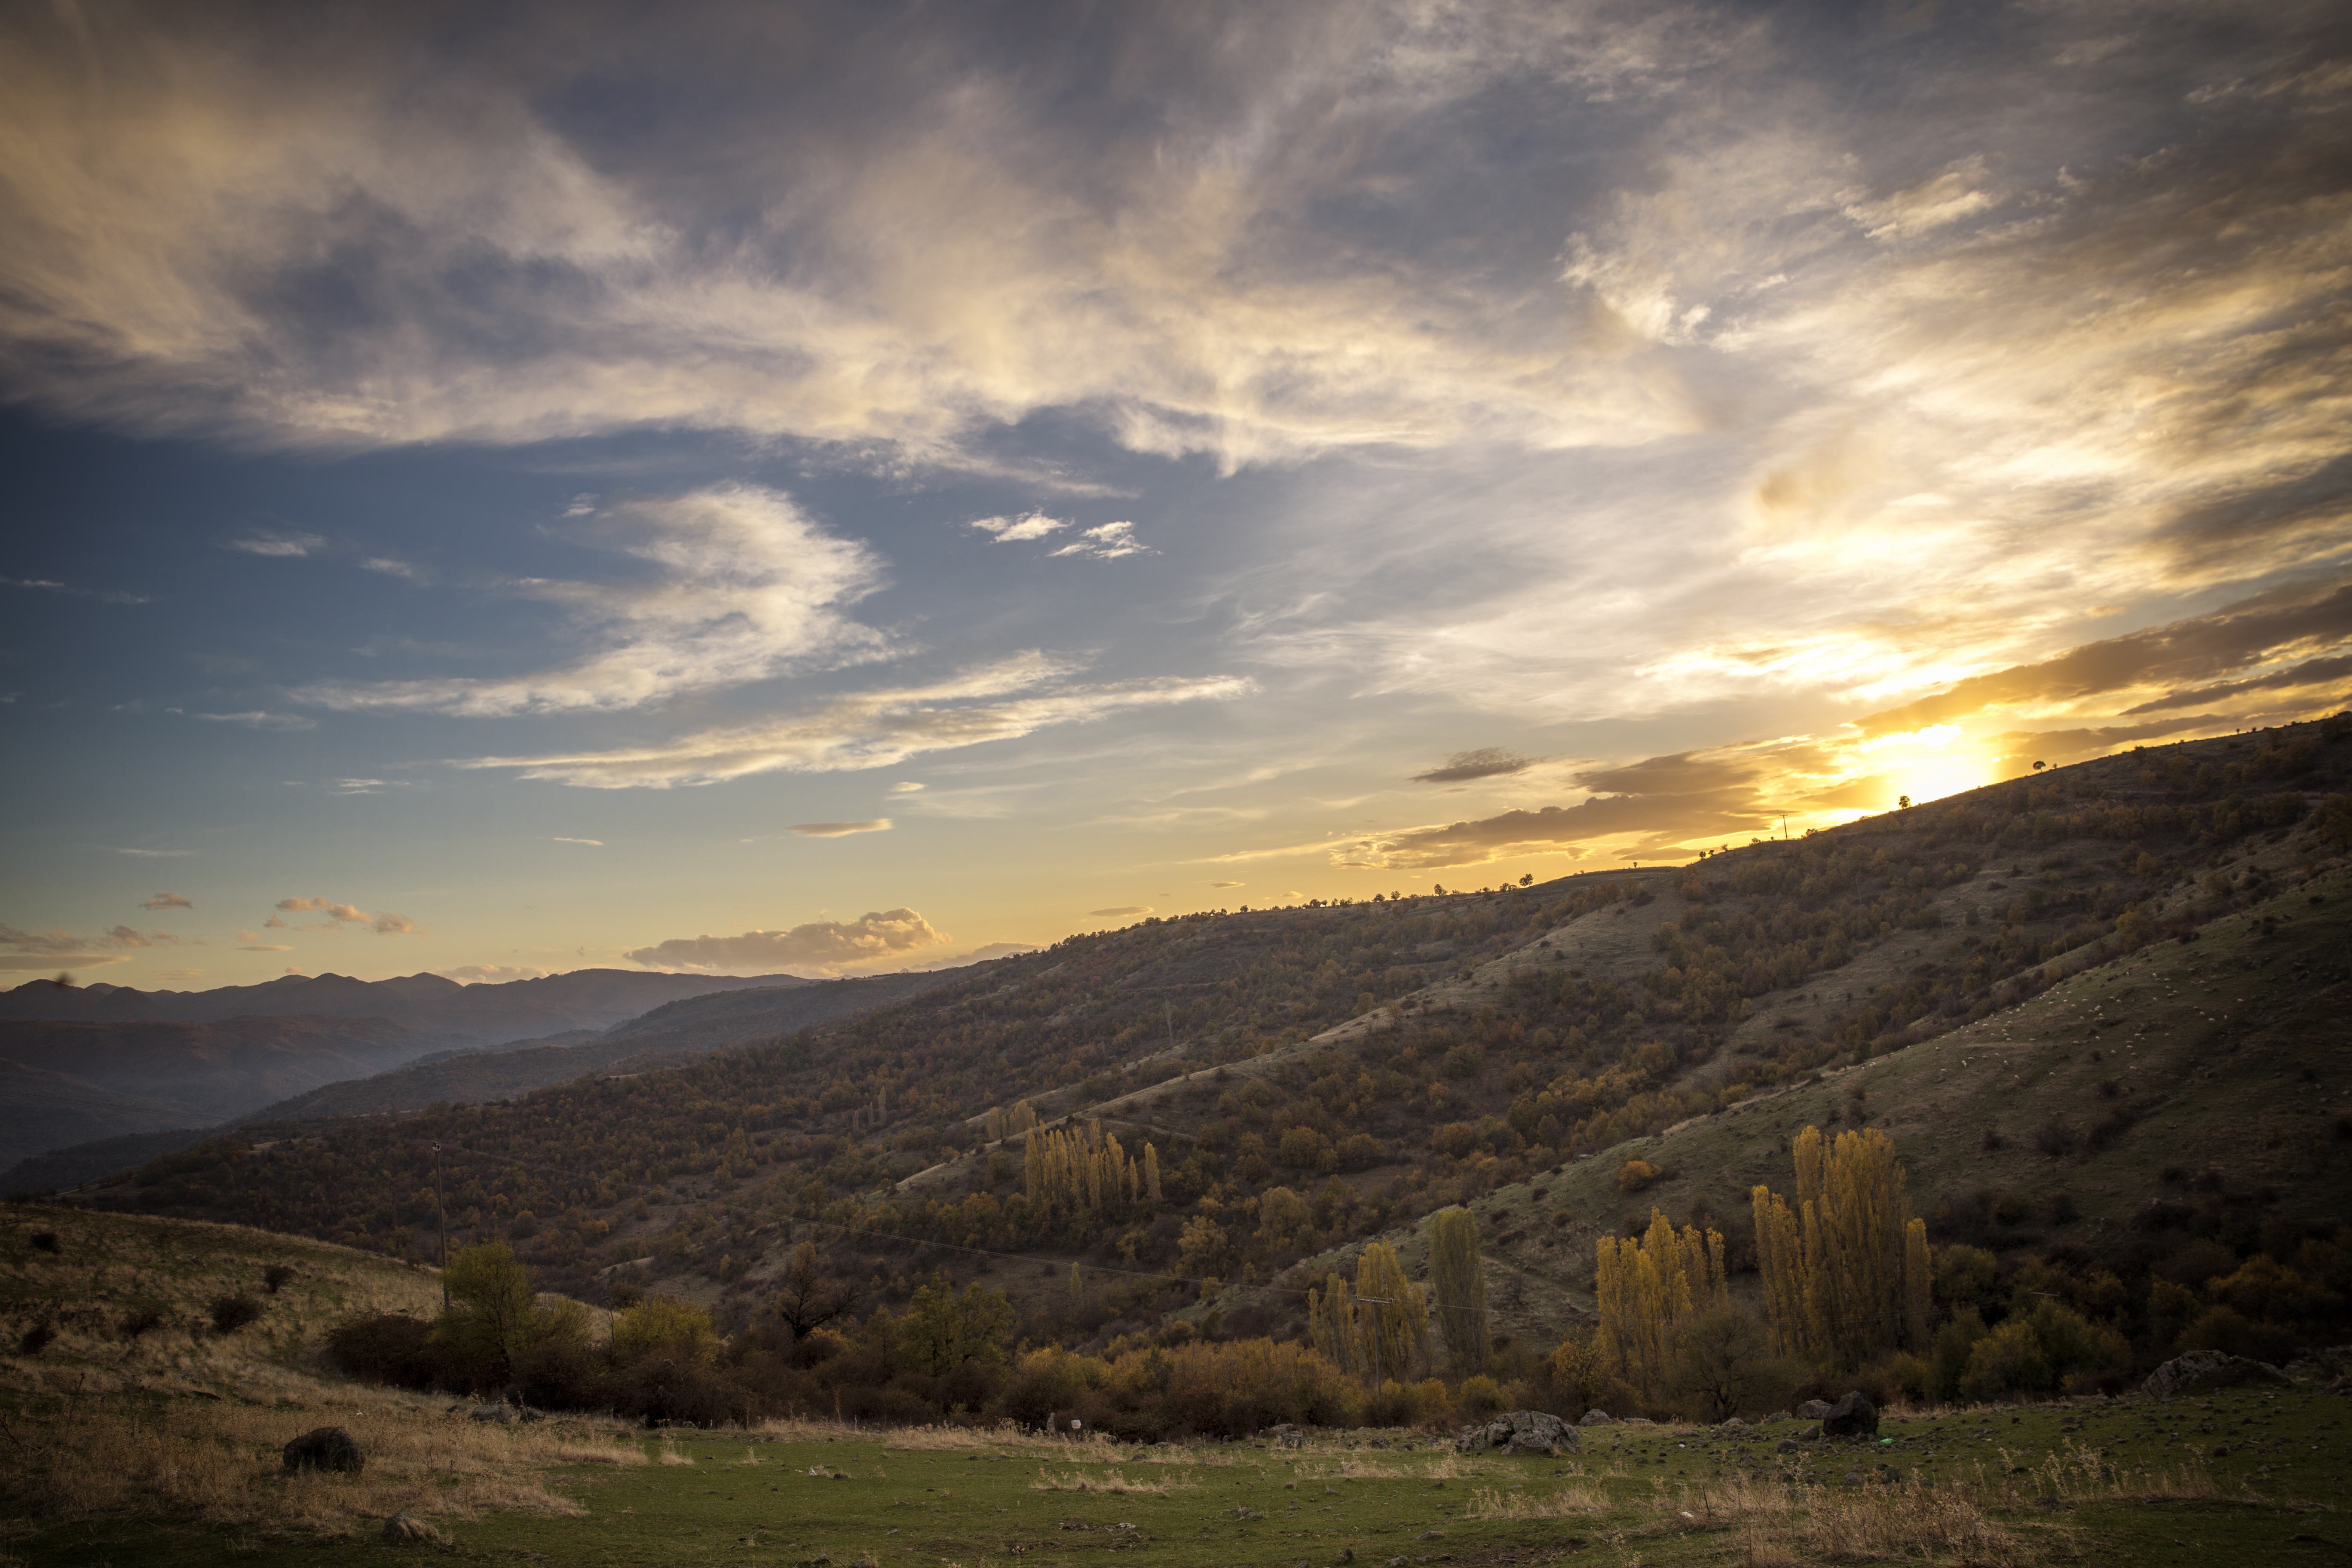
x: 324, y: 1448
x: 1852, y: 1416
x: 1520, y: 1432
x: 2200, y: 1372
x: 1596, y: 1416
x: 407, y: 1529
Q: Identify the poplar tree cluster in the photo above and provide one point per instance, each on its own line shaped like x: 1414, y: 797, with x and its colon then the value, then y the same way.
x: 1846, y: 1268
x: 1648, y: 1287
x: 1378, y: 1330
x: 1081, y: 1173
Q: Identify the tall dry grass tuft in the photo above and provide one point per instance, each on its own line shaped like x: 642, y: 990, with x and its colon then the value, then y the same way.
x: 1110, y: 1481
x: 1794, y: 1527
x: 1568, y: 1502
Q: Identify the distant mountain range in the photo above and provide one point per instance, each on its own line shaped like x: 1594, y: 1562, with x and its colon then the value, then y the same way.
x: 516, y: 1009
x: 92, y: 1062
x: 71, y: 1090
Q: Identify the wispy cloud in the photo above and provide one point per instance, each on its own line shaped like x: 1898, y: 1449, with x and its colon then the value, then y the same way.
x: 156, y: 854
x: 839, y: 829
x: 592, y: 843
x: 491, y: 974
x: 1486, y: 762
x: 272, y: 543
x: 165, y: 901
x: 1121, y: 910
x: 1108, y: 542
x: 256, y: 719
x: 104, y: 595
x: 746, y: 586
x: 822, y: 945
x: 873, y: 729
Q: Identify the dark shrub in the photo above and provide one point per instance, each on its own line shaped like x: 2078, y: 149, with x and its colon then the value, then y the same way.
x: 2055, y: 1137
x: 2113, y: 1125
x: 231, y: 1313
x: 276, y: 1277
x: 44, y: 1241
x: 1993, y: 1140
x: 390, y: 1348
x: 137, y: 1322
x: 36, y: 1339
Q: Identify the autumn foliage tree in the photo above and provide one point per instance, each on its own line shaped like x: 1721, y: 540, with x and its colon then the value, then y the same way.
x: 1846, y: 1267
x: 1457, y: 1277
x: 1380, y: 1327
x: 1648, y: 1287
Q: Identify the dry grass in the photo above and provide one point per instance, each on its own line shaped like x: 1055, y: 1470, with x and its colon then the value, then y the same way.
x: 1793, y: 1527
x: 1568, y: 1502
x: 221, y: 1463
x: 1110, y: 1481
x: 1444, y: 1468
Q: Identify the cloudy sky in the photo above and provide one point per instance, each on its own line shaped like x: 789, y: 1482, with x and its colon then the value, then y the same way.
x: 822, y: 487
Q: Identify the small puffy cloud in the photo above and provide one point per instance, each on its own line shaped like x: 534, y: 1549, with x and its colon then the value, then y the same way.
x: 1486, y: 762
x: 1013, y: 530
x: 905, y: 786
x: 165, y: 901
x: 591, y: 843
x: 268, y: 541
x: 346, y: 914
x: 827, y: 945
x: 1229, y: 884
x: 357, y: 786
x: 839, y: 829
x: 1108, y: 542
x: 1123, y: 910
x: 491, y: 974
x: 390, y: 567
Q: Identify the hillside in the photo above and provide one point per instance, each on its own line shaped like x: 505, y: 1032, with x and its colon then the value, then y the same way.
x: 1314, y: 1077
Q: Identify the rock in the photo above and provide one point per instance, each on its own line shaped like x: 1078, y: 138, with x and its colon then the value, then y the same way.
x: 1815, y: 1409
x: 1729, y: 1424
x: 1852, y: 1416
x: 500, y: 1415
x: 407, y: 1529
x: 1596, y: 1416
x: 324, y: 1448
x: 1520, y: 1432
x: 1287, y: 1436
x: 1788, y: 1445
x: 2202, y: 1370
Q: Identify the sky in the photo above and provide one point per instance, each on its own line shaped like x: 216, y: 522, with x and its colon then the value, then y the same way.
x: 798, y: 488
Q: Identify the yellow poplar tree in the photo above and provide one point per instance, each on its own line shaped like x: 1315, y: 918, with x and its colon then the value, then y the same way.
x: 1847, y: 1270
x: 1646, y: 1286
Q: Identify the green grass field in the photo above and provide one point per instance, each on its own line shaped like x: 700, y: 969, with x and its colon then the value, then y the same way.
x: 2241, y: 1477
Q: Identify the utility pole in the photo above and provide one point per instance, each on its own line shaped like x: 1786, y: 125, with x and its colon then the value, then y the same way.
x: 441, y: 1216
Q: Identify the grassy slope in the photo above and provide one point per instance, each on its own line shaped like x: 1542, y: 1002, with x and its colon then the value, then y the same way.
x: 2206, y: 1043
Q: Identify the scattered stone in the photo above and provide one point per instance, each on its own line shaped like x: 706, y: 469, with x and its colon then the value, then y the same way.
x: 1596, y: 1416
x: 324, y: 1448
x: 1788, y: 1445
x: 1287, y: 1436
x: 1519, y: 1432
x: 2200, y: 1372
x: 1729, y: 1424
x: 1852, y: 1416
x: 496, y: 1415
x: 1853, y: 1477
x: 1815, y: 1409
x: 407, y: 1529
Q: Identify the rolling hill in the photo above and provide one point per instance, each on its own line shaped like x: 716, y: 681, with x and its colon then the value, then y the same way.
x: 1312, y: 1078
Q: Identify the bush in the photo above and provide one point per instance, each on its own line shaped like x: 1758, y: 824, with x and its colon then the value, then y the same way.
x: 1635, y: 1175
x: 44, y: 1241
x: 2005, y: 1362
x: 230, y: 1314
x: 276, y: 1276
x: 1954, y: 1342
x: 1481, y: 1396
x: 390, y: 1348
x: 2055, y: 1137
x: 36, y: 1339
x: 139, y: 1321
